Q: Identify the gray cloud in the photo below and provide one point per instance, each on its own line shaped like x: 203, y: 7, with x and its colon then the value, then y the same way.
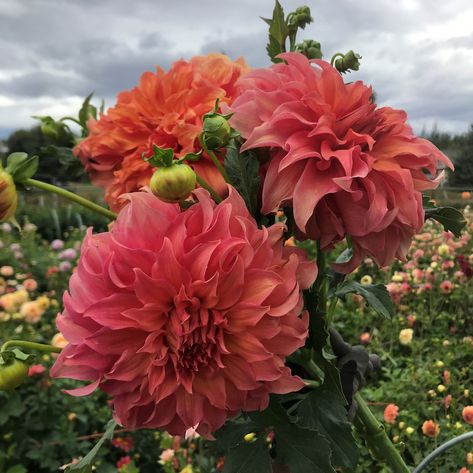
x: 416, y: 54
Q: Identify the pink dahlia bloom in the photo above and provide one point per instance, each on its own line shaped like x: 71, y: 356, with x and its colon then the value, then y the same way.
x: 344, y: 165
x: 185, y: 318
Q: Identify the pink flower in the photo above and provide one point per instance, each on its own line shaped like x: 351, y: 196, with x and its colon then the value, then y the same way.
x: 30, y: 284
x: 391, y: 412
x: 447, y: 401
x: 446, y: 286
x: 166, y: 456
x: 467, y: 414
x: 185, y: 318
x: 365, y: 338
x: 35, y: 370
x: 344, y: 165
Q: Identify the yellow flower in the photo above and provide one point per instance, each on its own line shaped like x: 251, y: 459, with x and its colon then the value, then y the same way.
x: 187, y: 469
x: 405, y: 336
x: 396, y: 277
x: 43, y: 301
x: 439, y: 364
x: 441, y: 388
x: 366, y: 279
x: 409, y: 430
x: 249, y: 437
x: 20, y: 296
x: 443, y: 250
x: 434, y: 264
x: 8, y: 196
x: 402, y: 425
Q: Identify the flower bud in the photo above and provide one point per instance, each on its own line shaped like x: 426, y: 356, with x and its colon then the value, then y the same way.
x: 409, y: 430
x: 249, y: 437
x: 173, y: 183
x: 8, y: 196
x: 217, y: 132
x: 348, y: 62
x: 310, y: 49
x: 12, y: 375
x: 300, y: 18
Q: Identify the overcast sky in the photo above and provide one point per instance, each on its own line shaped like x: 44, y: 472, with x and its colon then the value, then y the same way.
x: 417, y: 54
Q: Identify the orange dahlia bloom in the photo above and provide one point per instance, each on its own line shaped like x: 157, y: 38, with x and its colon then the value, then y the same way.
x: 164, y: 109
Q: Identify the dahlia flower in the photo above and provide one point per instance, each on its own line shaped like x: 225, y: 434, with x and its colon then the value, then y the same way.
x: 344, y: 165
x: 164, y: 109
x: 390, y: 414
x: 185, y: 318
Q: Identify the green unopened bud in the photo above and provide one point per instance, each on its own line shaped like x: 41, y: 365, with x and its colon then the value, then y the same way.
x: 173, y: 183
x: 217, y: 132
x: 300, y: 18
x: 348, y: 62
x: 8, y: 196
x: 12, y: 375
x: 310, y: 49
x: 53, y: 129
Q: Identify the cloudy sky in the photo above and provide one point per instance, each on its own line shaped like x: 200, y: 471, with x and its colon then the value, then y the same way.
x: 417, y: 54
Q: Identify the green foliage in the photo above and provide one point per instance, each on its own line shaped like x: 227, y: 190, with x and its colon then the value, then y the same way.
x: 85, y: 464
x: 21, y: 166
x: 375, y: 294
x: 450, y: 218
x: 243, y: 170
x: 278, y: 33
x: 248, y: 456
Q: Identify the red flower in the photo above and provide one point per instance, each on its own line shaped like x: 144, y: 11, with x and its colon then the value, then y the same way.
x: 123, y: 461
x: 35, y: 370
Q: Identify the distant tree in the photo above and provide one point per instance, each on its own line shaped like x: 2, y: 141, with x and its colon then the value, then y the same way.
x: 56, y: 163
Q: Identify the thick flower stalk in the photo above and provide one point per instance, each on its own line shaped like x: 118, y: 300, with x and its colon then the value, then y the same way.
x: 185, y: 318
x: 346, y: 167
x: 165, y: 109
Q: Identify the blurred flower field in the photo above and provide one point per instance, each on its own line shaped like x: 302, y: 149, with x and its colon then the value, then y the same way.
x: 422, y: 392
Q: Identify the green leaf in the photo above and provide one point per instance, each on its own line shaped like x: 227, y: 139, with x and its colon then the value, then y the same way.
x: 450, y: 218
x: 249, y: 457
x: 21, y: 166
x: 302, y: 450
x: 87, y: 111
x: 278, y: 32
x: 272, y: 416
x: 323, y: 411
x: 243, y: 170
x: 17, y: 469
x: 85, y: 464
x: 232, y: 433
x: 376, y: 296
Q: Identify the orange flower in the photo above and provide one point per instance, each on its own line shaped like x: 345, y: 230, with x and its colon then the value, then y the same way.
x: 467, y: 414
x: 164, y: 109
x: 390, y: 413
x: 466, y: 195
x: 430, y: 428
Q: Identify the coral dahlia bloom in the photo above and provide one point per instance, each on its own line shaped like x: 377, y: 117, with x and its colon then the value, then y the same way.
x: 344, y: 165
x: 185, y: 318
x: 391, y: 412
x: 430, y: 428
x: 467, y: 414
x: 164, y: 109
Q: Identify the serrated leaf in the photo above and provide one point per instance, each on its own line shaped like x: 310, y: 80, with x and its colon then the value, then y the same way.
x: 87, y: 110
x: 249, y: 457
x: 243, y: 170
x: 376, y: 295
x: 323, y: 411
x: 302, y: 450
x: 278, y: 33
x: 272, y: 416
x: 85, y: 464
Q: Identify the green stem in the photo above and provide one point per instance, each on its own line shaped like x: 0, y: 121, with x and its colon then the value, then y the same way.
x: 217, y: 163
x: 335, y: 57
x: 71, y: 196
x: 375, y: 435
x: 203, y: 183
x: 31, y: 345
